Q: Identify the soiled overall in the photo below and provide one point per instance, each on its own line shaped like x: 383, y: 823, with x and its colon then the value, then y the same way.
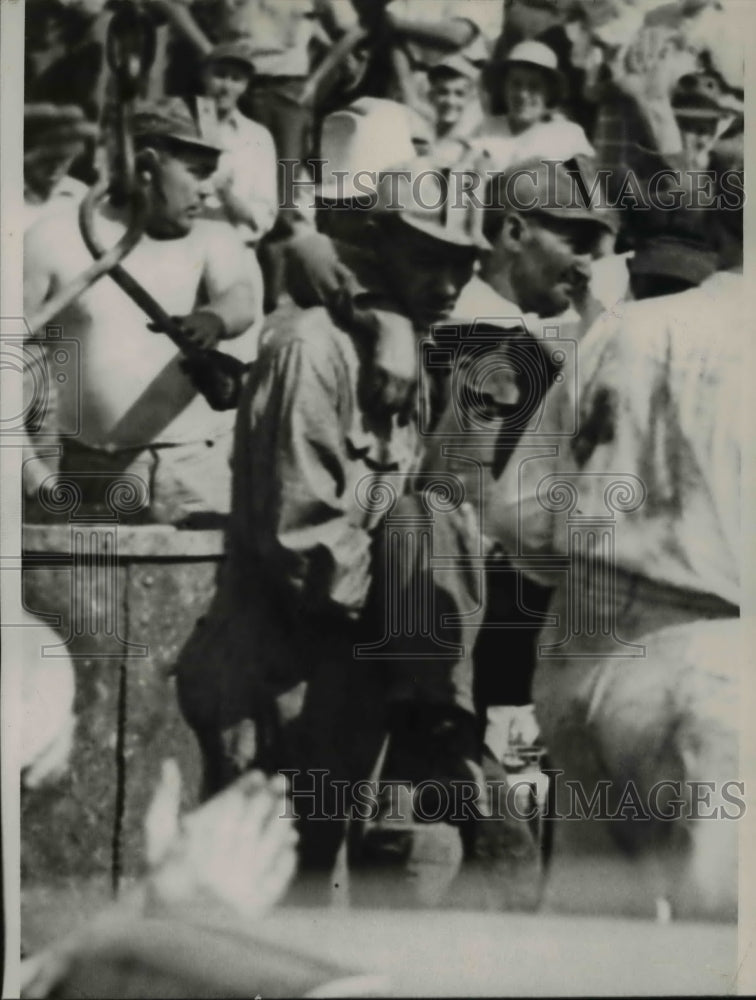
x: 272, y: 676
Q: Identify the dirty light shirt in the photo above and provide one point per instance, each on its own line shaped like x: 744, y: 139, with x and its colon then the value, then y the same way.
x: 308, y: 468
x: 658, y: 398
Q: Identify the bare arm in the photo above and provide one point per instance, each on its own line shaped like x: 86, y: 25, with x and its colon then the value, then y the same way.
x: 230, y: 281
x: 181, y: 20
x: 453, y: 34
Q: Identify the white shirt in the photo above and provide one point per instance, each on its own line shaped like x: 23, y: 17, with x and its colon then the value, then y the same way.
x: 247, y: 173
x: 660, y: 380
x: 555, y: 139
x: 130, y: 390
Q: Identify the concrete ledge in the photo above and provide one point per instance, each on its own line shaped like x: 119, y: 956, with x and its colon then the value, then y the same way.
x: 152, y: 542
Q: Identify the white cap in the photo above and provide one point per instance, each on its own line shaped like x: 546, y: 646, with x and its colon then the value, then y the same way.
x: 533, y: 52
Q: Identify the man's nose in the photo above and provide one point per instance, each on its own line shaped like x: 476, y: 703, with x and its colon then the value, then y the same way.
x: 206, y: 188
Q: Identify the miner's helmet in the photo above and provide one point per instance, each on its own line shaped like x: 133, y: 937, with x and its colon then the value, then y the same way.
x: 357, y: 142
x: 443, y: 202
x: 371, y: 163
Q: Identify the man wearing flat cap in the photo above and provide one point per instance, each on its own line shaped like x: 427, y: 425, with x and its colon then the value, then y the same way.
x: 133, y: 410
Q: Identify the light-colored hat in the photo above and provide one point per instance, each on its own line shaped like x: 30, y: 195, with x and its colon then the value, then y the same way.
x: 434, y: 200
x: 369, y: 136
x: 532, y: 53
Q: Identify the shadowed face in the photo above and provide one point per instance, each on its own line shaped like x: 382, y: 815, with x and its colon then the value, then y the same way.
x: 427, y: 273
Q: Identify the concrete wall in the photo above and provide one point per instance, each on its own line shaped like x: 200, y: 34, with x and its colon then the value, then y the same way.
x: 124, y: 600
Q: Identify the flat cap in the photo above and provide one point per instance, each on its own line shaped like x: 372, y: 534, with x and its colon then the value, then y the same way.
x: 240, y: 50
x: 562, y: 190
x: 169, y: 118
x: 55, y: 125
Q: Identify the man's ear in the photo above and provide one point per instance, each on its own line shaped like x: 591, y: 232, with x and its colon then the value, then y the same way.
x: 512, y: 232
x: 146, y: 163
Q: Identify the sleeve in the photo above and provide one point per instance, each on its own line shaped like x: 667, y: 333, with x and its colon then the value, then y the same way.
x: 319, y: 557
x: 486, y: 15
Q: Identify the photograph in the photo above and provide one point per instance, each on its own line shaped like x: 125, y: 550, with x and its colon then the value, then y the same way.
x: 378, y: 490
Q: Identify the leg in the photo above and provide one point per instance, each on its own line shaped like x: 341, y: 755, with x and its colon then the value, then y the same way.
x: 192, y: 480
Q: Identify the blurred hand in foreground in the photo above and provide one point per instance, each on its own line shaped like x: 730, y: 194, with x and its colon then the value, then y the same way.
x: 236, y: 852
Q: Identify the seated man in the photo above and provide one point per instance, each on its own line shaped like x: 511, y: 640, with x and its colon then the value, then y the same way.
x: 133, y: 411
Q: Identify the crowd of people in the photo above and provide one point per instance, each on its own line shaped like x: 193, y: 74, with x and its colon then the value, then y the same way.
x: 483, y: 262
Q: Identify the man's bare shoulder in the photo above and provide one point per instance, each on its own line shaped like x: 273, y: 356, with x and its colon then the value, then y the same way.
x: 215, y: 232
x: 54, y: 227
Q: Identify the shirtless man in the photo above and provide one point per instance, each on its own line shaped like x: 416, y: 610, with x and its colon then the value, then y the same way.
x: 134, y: 408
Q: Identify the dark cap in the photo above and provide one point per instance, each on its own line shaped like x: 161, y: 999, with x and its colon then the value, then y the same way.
x: 700, y: 96
x: 169, y: 118
x: 671, y: 256
x: 239, y: 51
x: 55, y: 126
x: 561, y: 190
